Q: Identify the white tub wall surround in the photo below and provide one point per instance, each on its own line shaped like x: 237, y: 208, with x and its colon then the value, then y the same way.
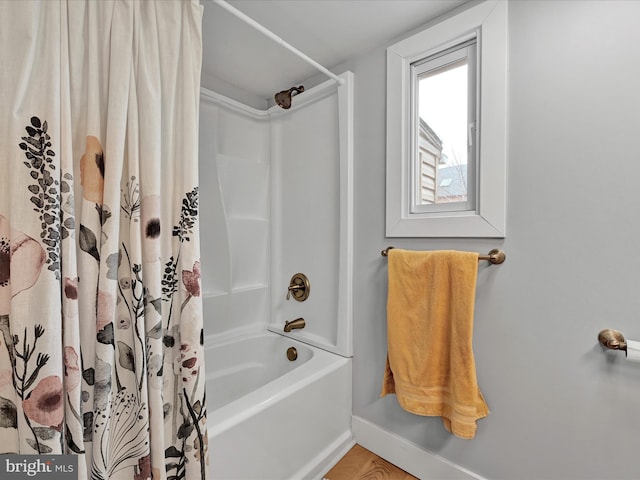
x: 277, y: 190
x: 234, y: 172
x: 277, y: 199
x: 312, y: 214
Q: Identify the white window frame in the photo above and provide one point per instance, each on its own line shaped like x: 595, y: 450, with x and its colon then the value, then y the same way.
x: 487, y: 21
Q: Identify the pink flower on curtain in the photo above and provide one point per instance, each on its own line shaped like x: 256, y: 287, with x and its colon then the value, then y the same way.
x: 191, y: 280
x: 186, y: 363
x: 143, y: 470
x: 106, y: 308
x: 71, y: 288
x: 21, y: 261
x: 6, y: 376
x: 71, y: 369
x: 45, y: 403
x: 92, y: 171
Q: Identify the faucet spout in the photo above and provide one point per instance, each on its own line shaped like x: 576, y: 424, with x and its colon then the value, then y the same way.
x: 294, y: 324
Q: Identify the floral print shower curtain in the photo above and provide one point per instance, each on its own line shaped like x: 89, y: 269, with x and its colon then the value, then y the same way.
x: 100, y: 312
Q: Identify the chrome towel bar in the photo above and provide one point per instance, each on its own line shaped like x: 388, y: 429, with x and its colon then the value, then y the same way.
x: 494, y: 257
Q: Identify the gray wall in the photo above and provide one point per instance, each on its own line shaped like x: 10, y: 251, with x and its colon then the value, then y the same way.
x: 561, y: 408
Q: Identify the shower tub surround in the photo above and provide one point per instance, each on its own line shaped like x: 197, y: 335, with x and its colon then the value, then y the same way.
x: 277, y: 200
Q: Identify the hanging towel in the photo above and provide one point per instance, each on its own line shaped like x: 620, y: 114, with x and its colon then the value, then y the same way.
x: 430, y: 365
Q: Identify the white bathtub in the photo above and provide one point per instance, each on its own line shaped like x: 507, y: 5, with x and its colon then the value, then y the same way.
x: 274, y: 419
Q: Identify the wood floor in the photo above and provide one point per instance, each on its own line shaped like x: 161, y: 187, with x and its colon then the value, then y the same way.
x: 361, y: 464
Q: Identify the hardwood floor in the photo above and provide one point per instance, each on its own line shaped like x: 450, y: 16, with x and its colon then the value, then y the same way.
x: 361, y: 464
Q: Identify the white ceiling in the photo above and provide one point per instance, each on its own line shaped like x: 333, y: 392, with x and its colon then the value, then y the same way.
x: 328, y: 31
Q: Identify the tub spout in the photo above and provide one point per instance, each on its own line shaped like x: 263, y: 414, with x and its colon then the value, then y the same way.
x: 294, y: 324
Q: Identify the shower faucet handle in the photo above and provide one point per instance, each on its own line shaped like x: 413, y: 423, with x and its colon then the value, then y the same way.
x: 299, y: 287
x: 294, y: 288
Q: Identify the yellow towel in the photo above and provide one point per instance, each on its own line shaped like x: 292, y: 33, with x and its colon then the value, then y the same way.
x: 430, y: 365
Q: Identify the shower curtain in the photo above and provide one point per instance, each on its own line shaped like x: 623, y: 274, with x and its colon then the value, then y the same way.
x: 100, y: 312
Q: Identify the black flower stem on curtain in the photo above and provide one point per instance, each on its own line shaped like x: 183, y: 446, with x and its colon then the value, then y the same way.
x: 184, y: 304
x: 196, y: 424
x: 136, y: 311
x: 25, y: 358
x: 25, y: 384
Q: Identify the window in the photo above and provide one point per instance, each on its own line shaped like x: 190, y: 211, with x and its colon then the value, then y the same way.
x: 443, y: 97
x: 446, y: 128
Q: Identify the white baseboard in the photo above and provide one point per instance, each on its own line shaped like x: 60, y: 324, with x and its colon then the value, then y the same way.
x: 327, y: 458
x: 407, y: 455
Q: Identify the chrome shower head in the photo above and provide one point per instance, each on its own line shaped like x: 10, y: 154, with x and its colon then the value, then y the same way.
x: 283, y: 98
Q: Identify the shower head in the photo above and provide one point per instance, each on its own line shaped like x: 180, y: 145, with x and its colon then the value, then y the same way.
x: 283, y: 98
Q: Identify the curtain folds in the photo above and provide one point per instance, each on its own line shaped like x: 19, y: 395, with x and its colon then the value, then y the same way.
x: 100, y: 310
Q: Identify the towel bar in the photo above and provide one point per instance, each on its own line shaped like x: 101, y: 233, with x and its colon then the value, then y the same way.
x: 494, y: 257
x: 612, y: 339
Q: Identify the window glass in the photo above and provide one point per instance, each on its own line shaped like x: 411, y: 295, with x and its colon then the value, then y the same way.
x: 444, y: 120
